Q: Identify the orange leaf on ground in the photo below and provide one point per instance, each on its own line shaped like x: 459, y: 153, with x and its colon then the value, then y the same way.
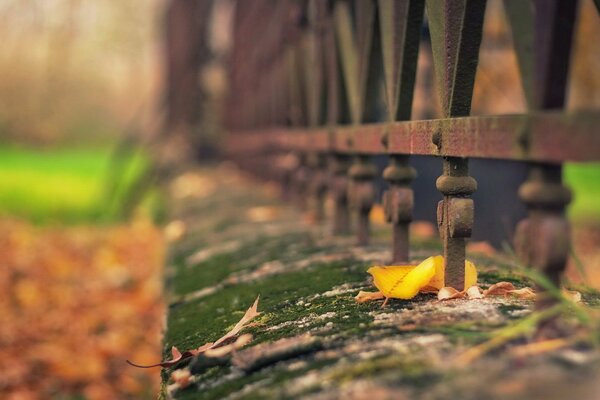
x: 499, y: 289
x: 525, y: 293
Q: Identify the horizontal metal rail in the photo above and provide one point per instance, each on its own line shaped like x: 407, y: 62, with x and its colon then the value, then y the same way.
x: 545, y: 137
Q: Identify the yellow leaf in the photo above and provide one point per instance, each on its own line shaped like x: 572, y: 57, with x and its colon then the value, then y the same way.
x: 377, y: 215
x: 438, y: 281
x: 404, y: 281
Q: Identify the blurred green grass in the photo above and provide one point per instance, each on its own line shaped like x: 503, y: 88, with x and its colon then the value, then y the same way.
x: 584, y: 180
x: 64, y: 185
x: 69, y: 185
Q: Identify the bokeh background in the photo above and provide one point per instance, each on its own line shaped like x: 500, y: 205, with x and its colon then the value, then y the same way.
x: 89, y: 117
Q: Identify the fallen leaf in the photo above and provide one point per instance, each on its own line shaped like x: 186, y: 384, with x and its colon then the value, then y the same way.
x: 474, y: 292
x: 525, y: 293
x: 176, y: 356
x: 499, y: 289
x: 251, y: 313
x: 508, y: 289
x: 448, y: 293
x: 403, y: 282
x: 438, y: 281
x: 572, y: 295
x: 363, y: 297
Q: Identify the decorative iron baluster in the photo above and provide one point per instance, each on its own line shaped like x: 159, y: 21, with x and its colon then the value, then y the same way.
x: 398, y: 204
x: 456, y: 28
x: 542, y: 33
x: 314, y: 70
x: 298, y: 111
x: 354, y: 28
x: 400, y: 28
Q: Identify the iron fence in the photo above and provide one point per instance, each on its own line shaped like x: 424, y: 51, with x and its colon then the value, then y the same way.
x: 306, y: 77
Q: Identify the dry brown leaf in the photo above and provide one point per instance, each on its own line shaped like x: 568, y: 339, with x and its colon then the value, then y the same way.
x: 448, y: 293
x: 499, y: 289
x: 251, y: 313
x: 363, y: 297
x: 474, y: 293
x: 525, y: 293
x: 176, y: 357
x: 572, y: 295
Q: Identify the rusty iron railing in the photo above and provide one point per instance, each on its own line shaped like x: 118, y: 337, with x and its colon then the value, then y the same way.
x: 305, y: 80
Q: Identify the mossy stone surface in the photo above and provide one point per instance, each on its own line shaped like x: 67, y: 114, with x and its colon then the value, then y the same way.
x: 241, y: 243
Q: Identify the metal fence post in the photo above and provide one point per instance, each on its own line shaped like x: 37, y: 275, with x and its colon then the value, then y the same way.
x: 456, y: 29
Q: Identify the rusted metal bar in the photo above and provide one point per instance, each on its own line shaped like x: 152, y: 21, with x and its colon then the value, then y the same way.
x: 354, y: 29
x: 314, y: 72
x: 545, y: 136
x: 398, y: 204
x: 543, y: 36
x: 400, y: 28
x: 456, y: 29
x: 337, y: 163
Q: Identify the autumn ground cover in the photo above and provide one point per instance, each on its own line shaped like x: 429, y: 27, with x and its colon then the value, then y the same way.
x: 76, y: 302
x: 81, y: 290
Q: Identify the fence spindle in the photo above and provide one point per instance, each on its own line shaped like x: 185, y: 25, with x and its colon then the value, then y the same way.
x: 542, y: 33
x: 456, y: 29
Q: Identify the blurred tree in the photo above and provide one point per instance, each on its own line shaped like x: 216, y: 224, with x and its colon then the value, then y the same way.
x: 75, y: 69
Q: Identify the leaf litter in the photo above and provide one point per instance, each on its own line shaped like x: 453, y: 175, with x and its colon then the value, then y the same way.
x: 406, y: 281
